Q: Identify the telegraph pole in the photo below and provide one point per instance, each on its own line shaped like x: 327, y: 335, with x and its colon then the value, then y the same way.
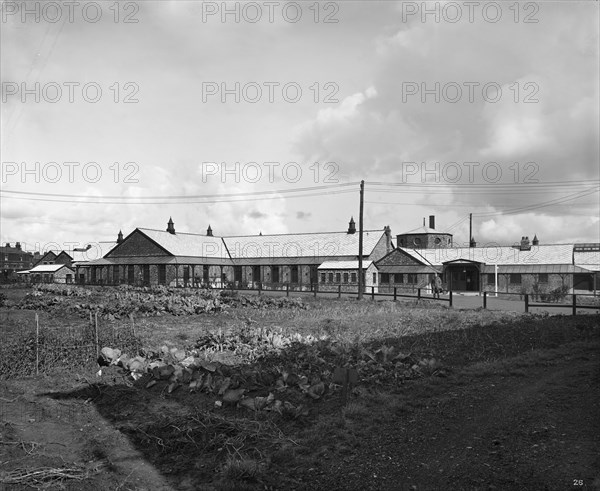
x: 470, y: 228
x: 360, y: 241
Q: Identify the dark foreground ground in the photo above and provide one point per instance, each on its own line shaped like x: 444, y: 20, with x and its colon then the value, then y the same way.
x: 511, y: 417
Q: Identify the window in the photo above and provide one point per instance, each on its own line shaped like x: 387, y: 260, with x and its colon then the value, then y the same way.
x: 385, y: 277
x: 417, y: 241
x: 353, y: 277
x: 323, y: 275
x: 330, y: 277
x: 515, y: 278
x: 437, y: 241
x: 398, y: 278
x: 346, y: 277
x: 374, y: 278
x: 294, y: 274
x: 338, y: 277
x: 412, y: 277
x: 275, y: 274
x: 543, y: 278
x: 237, y: 273
x: 491, y: 279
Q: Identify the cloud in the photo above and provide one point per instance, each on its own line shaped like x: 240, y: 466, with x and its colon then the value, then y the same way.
x: 302, y: 215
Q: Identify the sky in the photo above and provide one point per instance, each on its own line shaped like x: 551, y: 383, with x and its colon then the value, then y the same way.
x: 263, y: 117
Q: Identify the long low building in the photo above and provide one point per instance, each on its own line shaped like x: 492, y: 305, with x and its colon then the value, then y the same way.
x: 300, y: 261
x: 525, y: 267
x: 157, y: 257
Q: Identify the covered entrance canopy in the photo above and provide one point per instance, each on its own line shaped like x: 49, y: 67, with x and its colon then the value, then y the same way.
x: 462, y: 275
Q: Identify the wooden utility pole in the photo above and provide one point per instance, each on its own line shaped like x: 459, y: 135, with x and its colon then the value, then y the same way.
x: 360, y: 241
x: 470, y: 228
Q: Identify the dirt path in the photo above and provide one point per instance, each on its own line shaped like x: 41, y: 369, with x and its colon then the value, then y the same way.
x: 535, y: 426
x: 38, y: 431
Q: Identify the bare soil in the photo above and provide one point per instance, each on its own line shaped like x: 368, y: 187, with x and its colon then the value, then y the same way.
x: 507, y: 412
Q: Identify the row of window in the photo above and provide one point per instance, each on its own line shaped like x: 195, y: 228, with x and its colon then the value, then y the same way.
x: 516, y: 278
x: 385, y: 278
x: 186, y: 274
x: 339, y: 277
x: 399, y: 278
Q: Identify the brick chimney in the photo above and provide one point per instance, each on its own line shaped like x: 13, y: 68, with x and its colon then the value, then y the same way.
x: 120, y: 237
x: 171, y: 226
x: 472, y: 243
x: 7, y: 244
x: 535, y: 240
x: 18, y: 245
x: 209, y: 232
x: 432, y: 222
x: 525, y: 245
x: 351, y: 226
x: 388, y: 238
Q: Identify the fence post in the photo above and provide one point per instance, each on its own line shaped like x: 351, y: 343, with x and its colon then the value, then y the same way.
x: 450, y: 298
x: 316, y: 288
x: 372, y: 293
x: 526, y: 303
x: 96, y: 329
x: 339, y: 291
x: 37, y: 343
x: 485, y: 300
x: 574, y: 304
x: 418, y: 294
x: 287, y: 289
x: 132, y: 324
x: 259, y: 287
x: 395, y: 294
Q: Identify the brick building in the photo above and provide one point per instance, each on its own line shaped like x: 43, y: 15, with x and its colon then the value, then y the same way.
x: 12, y: 260
x: 150, y: 257
x: 525, y: 267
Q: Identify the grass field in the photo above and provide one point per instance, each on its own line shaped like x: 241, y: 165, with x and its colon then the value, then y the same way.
x: 445, y: 399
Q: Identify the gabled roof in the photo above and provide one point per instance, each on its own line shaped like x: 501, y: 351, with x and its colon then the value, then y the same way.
x: 182, y: 244
x: 48, y: 268
x: 502, y: 255
x: 316, y: 245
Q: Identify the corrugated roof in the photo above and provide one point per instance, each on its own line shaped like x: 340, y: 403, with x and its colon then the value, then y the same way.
x: 534, y: 268
x: 316, y: 245
x: 344, y: 265
x: 408, y: 268
x: 48, y: 268
x: 502, y: 255
x: 191, y: 245
x: 181, y: 260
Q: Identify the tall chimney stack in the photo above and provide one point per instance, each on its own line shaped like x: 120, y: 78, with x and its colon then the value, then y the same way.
x: 432, y: 222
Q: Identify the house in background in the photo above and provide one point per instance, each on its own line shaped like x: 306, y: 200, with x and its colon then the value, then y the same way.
x: 13, y: 260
